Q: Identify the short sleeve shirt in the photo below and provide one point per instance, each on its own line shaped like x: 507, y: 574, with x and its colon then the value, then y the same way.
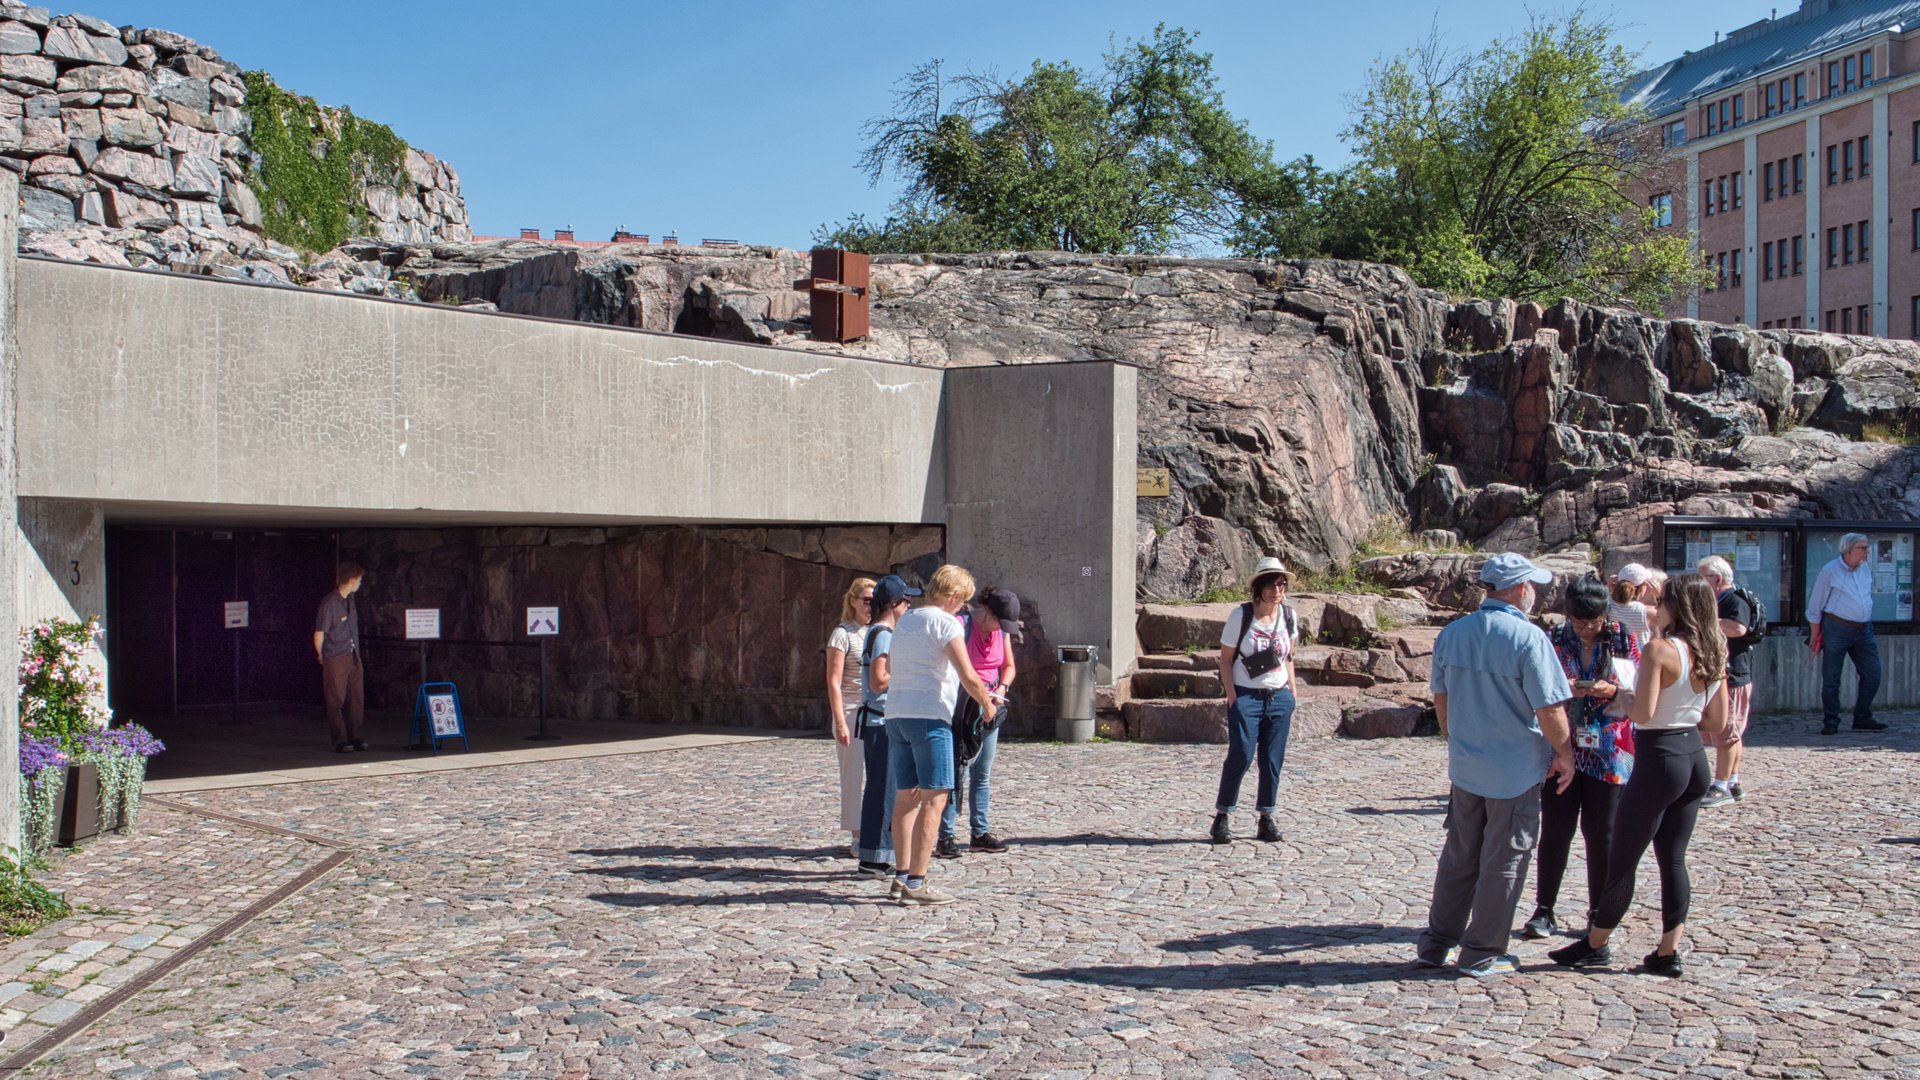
x: 1496, y: 668
x: 1740, y: 649
x: 848, y: 637
x: 924, y: 683
x: 988, y: 657
x: 338, y: 621
x: 877, y: 644
x: 1260, y: 637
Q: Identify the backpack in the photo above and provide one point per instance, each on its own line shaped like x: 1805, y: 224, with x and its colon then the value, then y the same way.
x: 1758, y: 627
x: 1246, y: 623
x: 970, y: 722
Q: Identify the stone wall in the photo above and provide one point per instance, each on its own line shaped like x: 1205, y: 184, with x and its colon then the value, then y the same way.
x: 659, y: 624
x: 133, y: 147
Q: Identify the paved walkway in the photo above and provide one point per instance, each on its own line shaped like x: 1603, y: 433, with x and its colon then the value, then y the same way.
x: 690, y: 910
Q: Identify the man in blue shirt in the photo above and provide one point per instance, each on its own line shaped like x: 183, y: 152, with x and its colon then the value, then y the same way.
x: 1500, y: 694
x: 1840, y: 613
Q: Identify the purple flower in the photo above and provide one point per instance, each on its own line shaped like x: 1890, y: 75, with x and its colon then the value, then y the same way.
x: 37, y: 754
x: 130, y: 741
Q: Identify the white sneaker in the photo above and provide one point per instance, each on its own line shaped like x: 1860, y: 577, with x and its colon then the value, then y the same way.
x: 894, y: 889
x: 926, y: 895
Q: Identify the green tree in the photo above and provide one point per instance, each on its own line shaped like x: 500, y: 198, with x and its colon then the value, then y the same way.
x: 1508, y: 172
x: 1132, y: 158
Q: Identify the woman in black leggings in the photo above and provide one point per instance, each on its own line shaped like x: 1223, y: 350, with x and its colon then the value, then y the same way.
x: 1680, y: 692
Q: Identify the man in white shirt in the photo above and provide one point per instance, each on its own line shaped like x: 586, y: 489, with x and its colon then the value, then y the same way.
x: 1840, y: 614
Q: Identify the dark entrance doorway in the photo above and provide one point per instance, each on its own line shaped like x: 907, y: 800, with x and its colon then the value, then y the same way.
x: 167, y: 589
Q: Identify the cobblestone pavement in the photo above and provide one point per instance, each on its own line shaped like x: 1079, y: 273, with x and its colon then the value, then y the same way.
x: 692, y: 910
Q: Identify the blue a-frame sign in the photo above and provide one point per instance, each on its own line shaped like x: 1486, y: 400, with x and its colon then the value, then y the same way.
x: 437, y: 716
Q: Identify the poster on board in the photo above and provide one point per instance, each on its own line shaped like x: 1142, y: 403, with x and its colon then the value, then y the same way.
x: 423, y: 624
x: 444, y: 714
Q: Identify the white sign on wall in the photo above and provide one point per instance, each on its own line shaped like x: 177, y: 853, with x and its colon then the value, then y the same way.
x: 236, y: 614
x: 543, y: 621
x: 423, y: 623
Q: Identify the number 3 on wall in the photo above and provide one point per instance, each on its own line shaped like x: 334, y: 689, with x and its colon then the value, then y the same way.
x: 73, y: 576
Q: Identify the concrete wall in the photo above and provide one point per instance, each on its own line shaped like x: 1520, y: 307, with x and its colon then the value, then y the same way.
x: 1786, y: 680
x: 1040, y: 494
x: 61, y: 565
x: 9, y: 543
x: 172, y: 398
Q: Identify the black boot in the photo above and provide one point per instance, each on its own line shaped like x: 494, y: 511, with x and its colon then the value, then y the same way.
x: 1269, y: 832
x: 1221, y: 833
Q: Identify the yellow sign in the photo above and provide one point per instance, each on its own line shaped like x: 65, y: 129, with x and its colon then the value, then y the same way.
x: 1154, y: 482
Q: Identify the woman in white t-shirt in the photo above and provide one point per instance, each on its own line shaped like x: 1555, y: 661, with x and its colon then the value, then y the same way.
x: 1625, y: 604
x: 843, y: 699
x: 927, y: 669
x: 1256, y: 671
x: 1680, y: 693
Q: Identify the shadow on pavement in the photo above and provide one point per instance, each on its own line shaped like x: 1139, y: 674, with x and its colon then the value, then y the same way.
x: 662, y: 874
x: 1899, y: 840
x: 1253, y: 976
x: 1099, y: 840
x: 1424, y: 810
x: 775, y: 896
x: 1274, y: 940
x: 713, y: 851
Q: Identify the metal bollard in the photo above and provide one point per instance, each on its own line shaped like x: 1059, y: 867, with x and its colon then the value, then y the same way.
x: 1073, y: 706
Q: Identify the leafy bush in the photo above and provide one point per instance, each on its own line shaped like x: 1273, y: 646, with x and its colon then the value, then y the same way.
x: 60, y: 692
x: 25, y: 904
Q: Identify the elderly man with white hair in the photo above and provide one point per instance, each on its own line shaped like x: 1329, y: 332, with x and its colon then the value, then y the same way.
x: 1739, y: 614
x: 1840, y: 612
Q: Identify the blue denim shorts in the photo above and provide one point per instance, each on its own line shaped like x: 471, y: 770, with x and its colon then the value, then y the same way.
x: 921, y: 753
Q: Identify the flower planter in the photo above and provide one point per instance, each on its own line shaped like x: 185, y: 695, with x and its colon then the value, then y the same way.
x: 80, y: 805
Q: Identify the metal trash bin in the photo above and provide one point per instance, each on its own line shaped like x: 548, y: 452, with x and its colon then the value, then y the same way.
x: 1073, y: 706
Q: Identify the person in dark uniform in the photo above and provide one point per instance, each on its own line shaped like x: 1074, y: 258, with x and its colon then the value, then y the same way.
x: 336, y: 640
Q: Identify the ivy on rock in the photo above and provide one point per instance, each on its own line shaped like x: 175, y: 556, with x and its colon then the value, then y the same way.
x: 312, y: 163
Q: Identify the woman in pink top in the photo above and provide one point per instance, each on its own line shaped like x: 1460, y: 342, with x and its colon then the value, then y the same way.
x: 992, y: 622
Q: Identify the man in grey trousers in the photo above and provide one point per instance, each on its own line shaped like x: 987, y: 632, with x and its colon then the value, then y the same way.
x: 1501, y: 698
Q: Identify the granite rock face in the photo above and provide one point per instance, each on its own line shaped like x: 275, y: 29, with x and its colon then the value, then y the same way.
x: 134, y: 149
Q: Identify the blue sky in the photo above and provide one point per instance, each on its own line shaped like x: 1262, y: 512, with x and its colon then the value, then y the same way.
x: 741, y: 120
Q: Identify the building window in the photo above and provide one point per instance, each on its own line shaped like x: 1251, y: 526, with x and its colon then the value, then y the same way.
x: 1846, y: 320
x: 1706, y: 198
x: 1846, y: 245
x: 1733, y: 270
x: 1675, y: 134
x: 1799, y: 255
x: 1799, y: 89
x: 1833, y: 165
x: 1866, y: 155
x: 1720, y: 190
x: 1799, y: 173
x: 1833, y: 78
x: 1916, y: 229
x: 1866, y: 68
x: 1720, y: 272
x: 1739, y: 109
x: 1914, y: 306
x: 1735, y: 186
x: 1862, y: 230
x: 1864, y: 321
x: 1773, y: 97
x: 1766, y: 261
x: 1846, y: 67
x: 1796, y: 322
x: 1846, y: 161
x: 1766, y: 182
x: 1662, y: 211
x: 1833, y: 247
x: 1706, y: 119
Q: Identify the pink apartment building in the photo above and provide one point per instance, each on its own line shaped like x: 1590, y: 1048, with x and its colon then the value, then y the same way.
x: 1794, y: 157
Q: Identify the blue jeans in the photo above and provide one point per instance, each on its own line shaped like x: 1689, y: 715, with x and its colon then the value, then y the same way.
x: 1837, y: 642
x: 876, y: 800
x: 1257, y: 722
x: 974, y: 786
x: 922, y: 753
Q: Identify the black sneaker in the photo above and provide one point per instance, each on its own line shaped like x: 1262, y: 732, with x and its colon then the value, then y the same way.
x: 1220, y: 833
x: 946, y: 848
x: 1540, y: 926
x: 1870, y: 725
x: 1668, y: 965
x: 360, y: 744
x: 343, y: 748
x: 1581, y: 954
x: 986, y: 841
x: 874, y: 869
x: 1269, y: 832
x: 1830, y: 729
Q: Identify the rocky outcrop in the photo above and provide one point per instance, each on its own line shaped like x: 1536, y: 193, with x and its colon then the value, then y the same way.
x: 135, y: 147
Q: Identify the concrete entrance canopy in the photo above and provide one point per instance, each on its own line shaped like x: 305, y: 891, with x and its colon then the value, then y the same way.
x: 168, y: 399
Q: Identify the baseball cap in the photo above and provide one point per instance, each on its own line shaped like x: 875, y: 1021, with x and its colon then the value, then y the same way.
x: 1634, y: 574
x: 887, y: 592
x: 1005, y: 607
x: 1508, y: 569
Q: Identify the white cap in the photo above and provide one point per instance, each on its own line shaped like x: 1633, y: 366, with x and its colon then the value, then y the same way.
x: 1635, y: 574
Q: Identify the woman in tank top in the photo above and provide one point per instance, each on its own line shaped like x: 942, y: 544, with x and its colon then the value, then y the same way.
x: 1681, y: 692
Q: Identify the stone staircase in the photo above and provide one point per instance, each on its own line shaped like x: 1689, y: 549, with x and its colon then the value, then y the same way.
x: 1372, y: 685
